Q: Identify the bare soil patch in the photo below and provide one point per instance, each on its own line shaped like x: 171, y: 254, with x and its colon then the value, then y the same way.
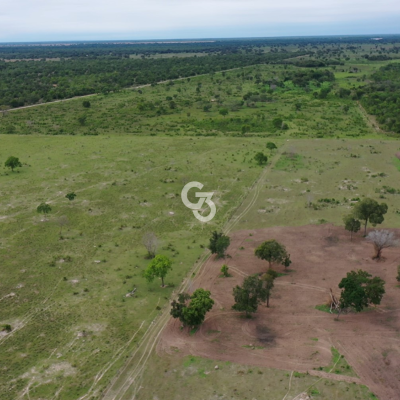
x: 283, y: 336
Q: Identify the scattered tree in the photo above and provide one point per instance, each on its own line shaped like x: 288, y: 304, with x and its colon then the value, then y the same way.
x: 225, y: 271
x: 382, y: 239
x: 193, y: 313
x: 70, y: 196
x: 219, y: 243
x: 268, y: 280
x: 6, y: 328
x: 360, y: 290
x: 43, y: 208
x: 224, y: 112
x: 271, y: 146
x: 370, y: 210
x: 150, y: 241
x: 82, y: 119
x: 261, y: 158
x: 158, y: 267
x: 12, y: 163
x: 249, y: 295
x: 86, y: 103
x: 351, y: 224
x: 273, y: 252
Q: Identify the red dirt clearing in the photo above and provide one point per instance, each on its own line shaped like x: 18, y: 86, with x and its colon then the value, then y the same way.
x: 282, y: 336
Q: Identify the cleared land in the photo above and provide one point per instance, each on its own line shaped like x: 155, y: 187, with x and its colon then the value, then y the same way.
x: 292, y: 334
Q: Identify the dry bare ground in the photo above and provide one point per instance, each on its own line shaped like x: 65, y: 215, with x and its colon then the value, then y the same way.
x: 281, y: 336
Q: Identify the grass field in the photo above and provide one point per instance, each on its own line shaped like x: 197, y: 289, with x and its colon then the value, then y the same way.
x: 65, y: 299
x: 127, y: 158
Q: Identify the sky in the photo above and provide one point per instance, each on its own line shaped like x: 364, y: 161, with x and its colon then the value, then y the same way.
x: 64, y: 20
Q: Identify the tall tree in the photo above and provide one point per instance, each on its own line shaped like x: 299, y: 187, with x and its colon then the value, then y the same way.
x: 219, y: 243
x: 261, y: 158
x: 273, y: 252
x: 351, y: 224
x: 12, y: 163
x: 249, y: 295
x: 370, y: 210
x: 360, y: 290
x: 382, y: 239
x: 268, y: 279
x: 192, y: 313
x: 158, y: 268
x: 43, y: 208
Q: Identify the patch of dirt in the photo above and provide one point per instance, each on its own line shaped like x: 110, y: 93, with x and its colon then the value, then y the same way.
x: 398, y: 155
x: 281, y: 336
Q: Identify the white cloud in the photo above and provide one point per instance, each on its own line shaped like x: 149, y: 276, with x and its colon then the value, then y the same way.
x: 43, y: 18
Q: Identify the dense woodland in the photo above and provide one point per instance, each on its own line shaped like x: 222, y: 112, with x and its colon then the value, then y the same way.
x: 38, y: 73
x: 382, y: 97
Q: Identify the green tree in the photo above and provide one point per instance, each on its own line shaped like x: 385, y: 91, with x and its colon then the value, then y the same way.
x: 43, y: 208
x: 12, y: 162
x: 360, y: 290
x: 224, y: 112
x: 277, y: 122
x: 86, y: 103
x: 158, y: 267
x: 178, y: 306
x: 370, y: 210
x: 268, y: 279
x: 219, y: 243
x: 249, y: 295
x: 82, y: 120
x: 70, y: 196
x: 261, y: 158
x: 192, y: 313
x: 225, y: 271
x: 351, y: 224
x: 273, y: 252
x: 271, y: 146
x: 200, y: 304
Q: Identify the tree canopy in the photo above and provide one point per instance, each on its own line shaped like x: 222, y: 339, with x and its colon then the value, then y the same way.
x: 249, y: 295
x: 12, y: 163
x: 273, y: 252
x: 219, y: 243
x: 158, y: 268
x: 360, y: 290
x: 192, y: 313
x: 369, y: 210
x: 351, y: 224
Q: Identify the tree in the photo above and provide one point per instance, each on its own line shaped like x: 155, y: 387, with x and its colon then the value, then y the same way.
x: 261, y: 158
x: 192, y: 313
x: 271, y: 146
x: 70, y: 196
x: 224, y: 112
x: 249, y: 295
x: 178, y: 306
x: 225, y: 270
x: 82, y: 119
x: 277, y: 123
x: 268, y: 279
x: 351, y: 224
x: 382, y: 239
x: 12, y: 162
x: 200, y: 303
x: 370, y: 210
x: 150, y: 241
x: 273, y: 252
x: 360, y: 290
x: 219, y: 243
x: 158, y: 267
x: 86, y: 104
x: 43, y: 208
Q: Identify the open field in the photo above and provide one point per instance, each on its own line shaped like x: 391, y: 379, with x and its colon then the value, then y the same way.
x: 64, y: 279
x: 292, y: 335
x: 65, y: 299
